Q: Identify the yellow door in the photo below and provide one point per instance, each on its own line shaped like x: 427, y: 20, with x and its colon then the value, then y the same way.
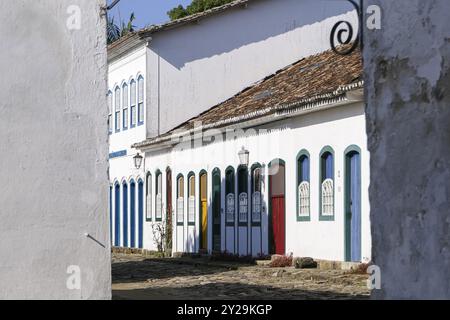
x: 204, y: 212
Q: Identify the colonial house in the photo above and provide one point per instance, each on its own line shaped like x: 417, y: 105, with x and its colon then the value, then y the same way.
x: 252, y: 134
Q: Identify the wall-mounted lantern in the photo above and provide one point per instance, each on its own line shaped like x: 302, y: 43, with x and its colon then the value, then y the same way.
x: 244, y: 156
x: 138, y: 161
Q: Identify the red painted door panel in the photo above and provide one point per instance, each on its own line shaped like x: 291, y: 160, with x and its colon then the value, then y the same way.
x: 278, y: 224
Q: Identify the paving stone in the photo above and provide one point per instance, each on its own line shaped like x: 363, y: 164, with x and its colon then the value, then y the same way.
x: 166, y: 279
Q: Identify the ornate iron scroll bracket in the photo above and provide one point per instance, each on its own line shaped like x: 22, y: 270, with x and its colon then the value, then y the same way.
x: 343, y: 36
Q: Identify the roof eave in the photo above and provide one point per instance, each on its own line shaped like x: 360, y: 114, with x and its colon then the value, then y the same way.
x: 350, y: 94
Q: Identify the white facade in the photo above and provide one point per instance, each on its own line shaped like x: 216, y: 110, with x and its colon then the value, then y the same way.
x: 338, y: 128
x: 189, y: 69
x: 198, y: 65
x: 123, y: 72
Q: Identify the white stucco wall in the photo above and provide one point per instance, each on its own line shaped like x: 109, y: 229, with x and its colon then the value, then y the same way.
x: 407, y: 80
x: 339, y: 128
x: 53, y: 152
x: 196, y: 66
x: 122, y: 169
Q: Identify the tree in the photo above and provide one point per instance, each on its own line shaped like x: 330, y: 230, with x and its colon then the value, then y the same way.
x: 196, y: 6
x: 114, y: 32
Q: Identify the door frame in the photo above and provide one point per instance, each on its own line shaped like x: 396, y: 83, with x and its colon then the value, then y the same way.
x: 169, y: 209
x: 200, y: 207
x: 216, y: 172
x: 270, y: 233
x: 347, y: 231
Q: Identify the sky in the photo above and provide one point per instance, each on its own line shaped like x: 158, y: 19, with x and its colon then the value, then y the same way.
x: 147, y: 12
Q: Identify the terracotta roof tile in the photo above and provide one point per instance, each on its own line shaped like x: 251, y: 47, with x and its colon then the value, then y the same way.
x: 316, y: 78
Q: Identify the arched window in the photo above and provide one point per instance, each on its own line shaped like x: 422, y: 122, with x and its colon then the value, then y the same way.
x: 191, y: 192
x: 117, y: 108
x: 180, y: 200
x: 243, y: 195
x: 256, y: 194
x: 148, y: 198
x: 230, y: 202
x: 110, y: 108
x: 133, y: 103
x: 303, y: 187
x: 140, y: 100
x: 327, y: 184
x: 158, y: 192
x: 125, y: 102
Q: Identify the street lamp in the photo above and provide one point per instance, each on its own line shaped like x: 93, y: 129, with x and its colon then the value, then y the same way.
x: 138, y: 161
x: 244, y: 157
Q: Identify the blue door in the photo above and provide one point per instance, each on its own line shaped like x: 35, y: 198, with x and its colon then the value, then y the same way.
x: 133, y: 214
x: 125, y: 214
x: 117, y: 216
x: 353, y: 207
x: 141, y: 214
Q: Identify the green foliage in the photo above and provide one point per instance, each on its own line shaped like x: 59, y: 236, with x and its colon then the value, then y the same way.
x: 114, y: 32
x: 195, y: 7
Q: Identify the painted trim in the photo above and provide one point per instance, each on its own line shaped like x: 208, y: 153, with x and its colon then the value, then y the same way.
x: 147, y: 193
x: 246, y: 223
x: 300, y: 154
x: 118, y: 154
x: 157, y: 173
x: 216, y: 173
x: 228, y: 170
x: 200, y: 239
x: 141, y: 200
x: 189, y: 176
x: 255, y: 166
x: 327, y: 149
x: 356, y: 149
x: 132, y: 187
x: 270, y: 226
x: 179, y: 176
x: 140, y: 123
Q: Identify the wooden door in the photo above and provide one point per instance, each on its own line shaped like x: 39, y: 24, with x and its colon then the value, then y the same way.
x: 278, y: 224
x: 204, y: 212
x: 277, y: 207
x: 353, y: 207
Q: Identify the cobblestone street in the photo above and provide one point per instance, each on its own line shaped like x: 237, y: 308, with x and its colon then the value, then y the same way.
x: 139, y: 278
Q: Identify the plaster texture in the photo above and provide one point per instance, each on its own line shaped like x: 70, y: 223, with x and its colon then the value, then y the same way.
x: 54, y: 147
x: 407, y: 76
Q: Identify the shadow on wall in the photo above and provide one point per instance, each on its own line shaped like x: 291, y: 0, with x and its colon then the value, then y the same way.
x: 204, y: 42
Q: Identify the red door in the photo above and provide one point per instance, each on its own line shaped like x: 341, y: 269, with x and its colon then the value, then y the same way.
x: 278, y: 224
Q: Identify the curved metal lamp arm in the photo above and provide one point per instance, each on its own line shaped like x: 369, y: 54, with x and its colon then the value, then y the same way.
x: 339, y: 34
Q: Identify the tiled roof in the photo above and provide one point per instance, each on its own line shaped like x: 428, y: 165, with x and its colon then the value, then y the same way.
x: 313, y: 80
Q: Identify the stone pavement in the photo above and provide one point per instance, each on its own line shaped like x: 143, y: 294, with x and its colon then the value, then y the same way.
x: 139, y: 278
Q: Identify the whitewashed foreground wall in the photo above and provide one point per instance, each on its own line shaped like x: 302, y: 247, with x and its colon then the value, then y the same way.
x: 54, y: 146
x: 407, y: 67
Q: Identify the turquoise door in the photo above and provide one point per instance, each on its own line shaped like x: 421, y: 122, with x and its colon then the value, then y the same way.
x: 353, y: 207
